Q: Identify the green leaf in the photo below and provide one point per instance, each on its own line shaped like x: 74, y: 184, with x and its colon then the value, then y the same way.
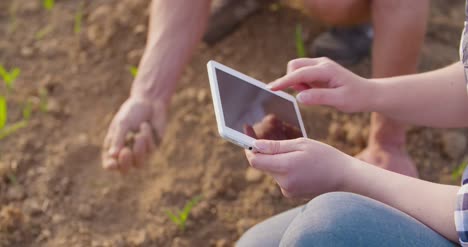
x: 27, y: 110
x: 299, y: 42
x: 3, y: 112
x: 12, y: 78
x: 12, y: 178
x: 43, y: 32
x: 4, y: 74
x: 43, y: 100
x: 78, y: 19
x: 188, y: 207
x: 458, y: 172
x: 48, y: 4
x: 12, y: 129
x: 171, y: 216
x: 133, y: 70
x: 14, y: 74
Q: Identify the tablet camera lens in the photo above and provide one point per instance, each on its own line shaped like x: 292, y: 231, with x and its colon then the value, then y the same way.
x: 250, y: 148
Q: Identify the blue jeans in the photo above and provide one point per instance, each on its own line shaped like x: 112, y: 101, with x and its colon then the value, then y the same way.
x: 342, y: 219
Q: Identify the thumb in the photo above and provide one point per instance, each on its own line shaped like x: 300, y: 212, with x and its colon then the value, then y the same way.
x: 319, y: 96
x: 278, y: 147
x: 118, y: 140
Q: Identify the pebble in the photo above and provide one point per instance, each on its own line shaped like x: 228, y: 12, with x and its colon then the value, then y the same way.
x: 85, y: 211
x: 134, y: 56
x: 32, y: 207
x: 221, y: 243
x: 57, y: 218
x: 137, y: 238
x: 26, y: 51
x: 253, y: 175
x: 53, y: 106
x: 16, y: 193
x: 4, y: 169
x: 453, y: 144
x: 101, y: 26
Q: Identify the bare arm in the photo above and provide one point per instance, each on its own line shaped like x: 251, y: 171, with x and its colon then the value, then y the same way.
x: 175, y: 28
x: 437, y: 98
x: 432, y: 204
x: 307, y: 168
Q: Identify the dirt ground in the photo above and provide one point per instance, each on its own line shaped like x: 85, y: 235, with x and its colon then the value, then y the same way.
x: 53, y: 191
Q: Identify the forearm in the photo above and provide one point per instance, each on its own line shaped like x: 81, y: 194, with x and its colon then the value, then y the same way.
x: 430, y: 203
x: 437, y: 98
x: 175, y: 28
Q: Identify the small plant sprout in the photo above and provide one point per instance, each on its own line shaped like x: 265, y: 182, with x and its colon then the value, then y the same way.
x: 78, y: 19
x: 48, y: 4
x: 10, y: 129
x: 300, y: 50
x: 9, y: 77
x: 458, y: 172
x: 44, y: 32
x: 43, y: 100
x: 133, y: 70
x: 3, y: 112
x: 12, y: 178
x: 181, y: 217
x: 27, y: 110
x: 13, y: 17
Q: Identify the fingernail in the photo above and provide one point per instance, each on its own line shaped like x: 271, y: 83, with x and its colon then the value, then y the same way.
x: 110, y: 164
x: 271, y: 85
x: 261, y: 146
x: 113, y: 151
x: 300, y: 97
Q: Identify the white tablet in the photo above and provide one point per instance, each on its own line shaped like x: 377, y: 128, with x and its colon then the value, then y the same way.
x: 243, y: 104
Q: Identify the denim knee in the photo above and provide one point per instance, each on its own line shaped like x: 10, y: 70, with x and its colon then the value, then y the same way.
x: 346, y: 219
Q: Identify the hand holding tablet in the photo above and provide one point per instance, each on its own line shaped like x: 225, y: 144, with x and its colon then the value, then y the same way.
x: 246, y: 110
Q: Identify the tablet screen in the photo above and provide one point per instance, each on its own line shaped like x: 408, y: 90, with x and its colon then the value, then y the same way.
x: 256, y: 112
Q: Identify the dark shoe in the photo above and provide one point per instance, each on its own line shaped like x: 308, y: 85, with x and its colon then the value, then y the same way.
x: 226, y: 15
x: 346, y: 46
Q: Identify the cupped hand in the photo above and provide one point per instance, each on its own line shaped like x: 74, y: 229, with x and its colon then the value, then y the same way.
x: 301, y: 167
x: 324, y: 82
x: 132, y: 133
x: 272, y: 128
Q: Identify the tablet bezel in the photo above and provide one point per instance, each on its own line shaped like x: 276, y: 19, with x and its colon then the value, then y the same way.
x: 226, y: 132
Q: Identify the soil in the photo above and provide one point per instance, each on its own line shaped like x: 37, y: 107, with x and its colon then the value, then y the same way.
x: 53, y: 191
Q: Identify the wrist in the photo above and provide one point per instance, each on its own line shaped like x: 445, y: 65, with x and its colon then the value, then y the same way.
x: 142, y: 94
x: 376, y: 96
x: 350, y: 175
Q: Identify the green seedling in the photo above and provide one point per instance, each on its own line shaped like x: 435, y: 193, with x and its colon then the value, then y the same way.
x: 3, y: 112
x: 8, y: 130
x: 43, y: 100
x: 12, y: 178
x: 48, y: 4
x: 43, y: 32
x: 13, y: 17
x: 9, y: 77
x: 133, y: 70
x: 457, y: 174
x: 78, y: 19
x: 300, y: 50
x: 181, y: 217
x: 27, y: 110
